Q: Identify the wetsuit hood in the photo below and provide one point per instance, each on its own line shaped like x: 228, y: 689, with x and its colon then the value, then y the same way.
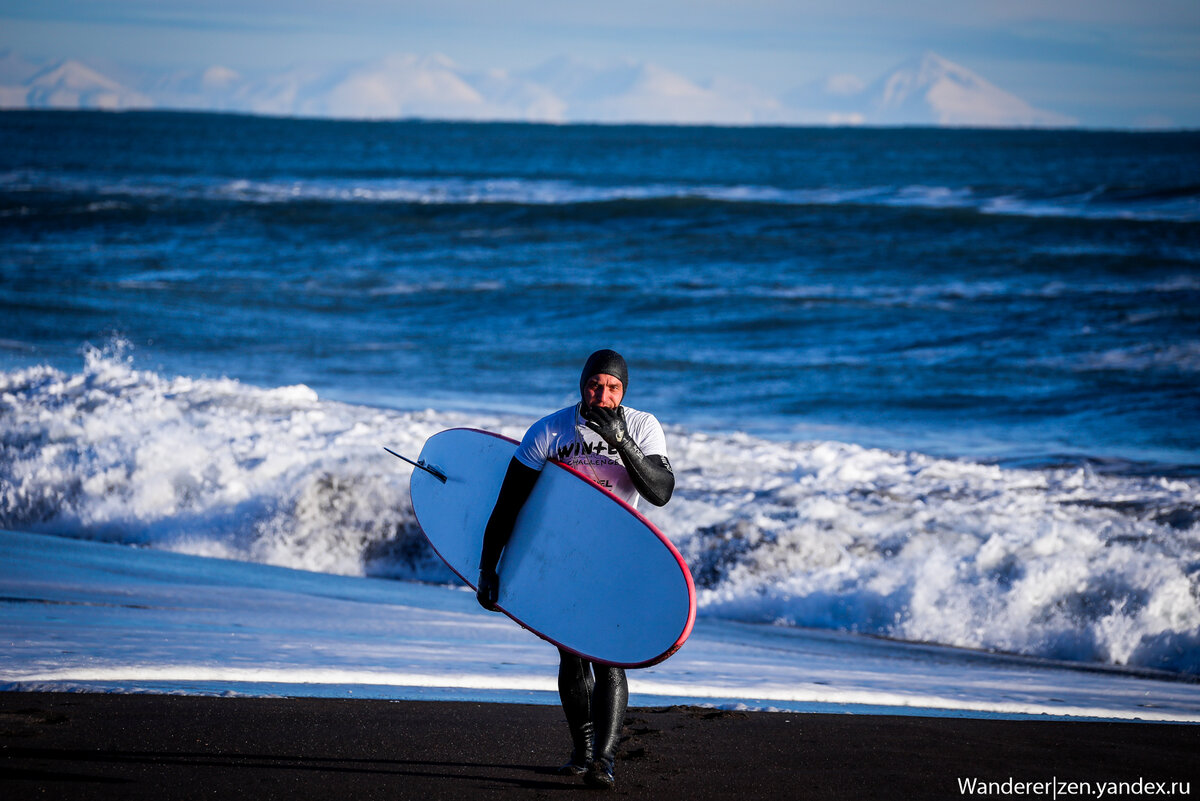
x: 607, y: 362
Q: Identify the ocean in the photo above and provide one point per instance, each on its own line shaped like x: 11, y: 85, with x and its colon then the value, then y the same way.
x: 932, y: 386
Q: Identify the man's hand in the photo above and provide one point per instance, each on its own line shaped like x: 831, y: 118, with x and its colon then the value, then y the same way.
x: 608, y: 423
x: 651, y: 475
x: 489, y: 590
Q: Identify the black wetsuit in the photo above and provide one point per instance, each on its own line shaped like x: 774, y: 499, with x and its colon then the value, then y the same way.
x: 593, y: 696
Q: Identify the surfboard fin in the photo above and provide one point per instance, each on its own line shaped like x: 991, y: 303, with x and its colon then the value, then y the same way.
x: 433, y: 471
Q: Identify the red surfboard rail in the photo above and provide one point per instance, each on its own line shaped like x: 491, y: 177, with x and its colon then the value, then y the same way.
x: 686, y: 630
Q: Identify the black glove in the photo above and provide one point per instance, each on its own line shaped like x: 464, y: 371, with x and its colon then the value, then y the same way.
x: 651, y: 476
x: 608, y: 423
x: 489, y: 589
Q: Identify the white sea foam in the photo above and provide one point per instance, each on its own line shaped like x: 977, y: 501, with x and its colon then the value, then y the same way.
x: 80, y: 616
x: 1061, y: 563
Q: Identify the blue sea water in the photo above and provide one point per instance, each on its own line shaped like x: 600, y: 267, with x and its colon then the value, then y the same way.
x: 1028, y: 295
x: 878, y: 352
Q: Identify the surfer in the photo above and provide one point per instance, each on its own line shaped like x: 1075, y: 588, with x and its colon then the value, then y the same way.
x: 625, y: 451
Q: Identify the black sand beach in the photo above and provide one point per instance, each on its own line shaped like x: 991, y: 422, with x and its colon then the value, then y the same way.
x: 95, y: 746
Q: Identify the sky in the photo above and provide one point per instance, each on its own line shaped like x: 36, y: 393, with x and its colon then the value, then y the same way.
x: 1104, y: 62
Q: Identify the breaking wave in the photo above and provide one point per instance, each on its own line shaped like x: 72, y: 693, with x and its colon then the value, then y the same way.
x: 1059, y: 563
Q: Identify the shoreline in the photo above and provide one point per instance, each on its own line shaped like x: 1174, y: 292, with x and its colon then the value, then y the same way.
x: 99, y: 617
x: 97, y: 746
x: 548, y: 697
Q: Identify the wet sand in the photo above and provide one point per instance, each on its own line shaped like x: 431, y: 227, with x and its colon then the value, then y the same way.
x: 96, y: 746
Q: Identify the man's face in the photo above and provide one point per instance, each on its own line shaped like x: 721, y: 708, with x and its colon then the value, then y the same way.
x: 603, y: 390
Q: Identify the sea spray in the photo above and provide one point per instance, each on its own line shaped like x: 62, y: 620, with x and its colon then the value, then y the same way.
x: 1062, y: 563
x: 210, y: 466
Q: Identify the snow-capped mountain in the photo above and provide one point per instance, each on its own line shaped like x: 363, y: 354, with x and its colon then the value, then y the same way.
x: 633, y: 91
x: 69, y: 85
x: 200, y: 90
x: 396, y: 86
x: 928, y: 90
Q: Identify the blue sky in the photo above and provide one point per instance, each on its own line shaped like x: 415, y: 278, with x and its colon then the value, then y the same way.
x: 1105, y: 62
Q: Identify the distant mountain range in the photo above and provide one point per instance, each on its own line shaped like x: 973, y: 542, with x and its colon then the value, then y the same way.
x: 65, y: 85
x: 927, y: 90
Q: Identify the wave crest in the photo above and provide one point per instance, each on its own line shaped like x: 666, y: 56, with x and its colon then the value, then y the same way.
x: 1061, y: 563
x: 103, y: 195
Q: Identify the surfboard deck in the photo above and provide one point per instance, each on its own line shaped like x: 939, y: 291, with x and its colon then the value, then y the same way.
x: 583, y: 569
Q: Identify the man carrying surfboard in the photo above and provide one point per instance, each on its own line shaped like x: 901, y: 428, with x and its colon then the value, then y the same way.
x: 624, y: 451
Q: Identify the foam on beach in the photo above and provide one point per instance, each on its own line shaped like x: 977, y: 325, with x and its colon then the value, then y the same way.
x: 95, y: 617
x: 1060, y: 563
